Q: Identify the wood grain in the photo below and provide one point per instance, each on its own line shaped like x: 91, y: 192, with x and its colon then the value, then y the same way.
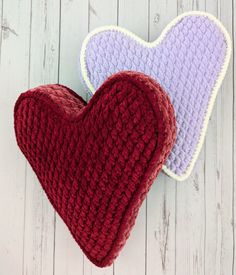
x: 126, y: 264
x: 219, y: 181
x: 161, y: 214
x: 14, y: 62
x: 73, y: 15
x: 183, y: 228
x: 43, y: 68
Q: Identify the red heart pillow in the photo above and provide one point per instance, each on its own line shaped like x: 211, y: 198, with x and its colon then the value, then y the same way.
x: 97, y: 161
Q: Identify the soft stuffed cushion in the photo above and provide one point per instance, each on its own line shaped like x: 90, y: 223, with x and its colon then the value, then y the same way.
x: 97, y: 161
x: 189, y: 60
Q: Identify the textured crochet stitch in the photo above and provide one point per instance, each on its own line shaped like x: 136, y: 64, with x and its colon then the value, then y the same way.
x: 189, y: 60
x: 97, y: 161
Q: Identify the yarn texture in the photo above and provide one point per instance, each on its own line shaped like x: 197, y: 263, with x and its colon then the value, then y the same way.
x: 189, y: 60
x: 97, y: 161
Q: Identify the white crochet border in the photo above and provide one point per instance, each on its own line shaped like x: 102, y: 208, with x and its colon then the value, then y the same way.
x: 153, y: 44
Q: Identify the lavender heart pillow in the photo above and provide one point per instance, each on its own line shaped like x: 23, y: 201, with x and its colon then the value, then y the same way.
x: 189, y: 60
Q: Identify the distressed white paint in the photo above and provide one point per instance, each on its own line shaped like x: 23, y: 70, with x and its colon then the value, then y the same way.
x: 43, y: 68
x: 183, y: 228
x: 135, y: 252
x: 161, y: 200
x: 73, y: 27
x: 99, y: 17
x: 15, y: 27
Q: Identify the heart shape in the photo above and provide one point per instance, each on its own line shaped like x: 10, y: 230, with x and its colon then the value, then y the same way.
x: 97, y: 161
x: 189, y: 60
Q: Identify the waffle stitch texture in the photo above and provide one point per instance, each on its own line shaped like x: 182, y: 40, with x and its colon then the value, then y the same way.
x: 97, y: 161
x: 189, y: 60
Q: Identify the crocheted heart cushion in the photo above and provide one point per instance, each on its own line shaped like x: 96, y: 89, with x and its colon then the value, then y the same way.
x: 189, y: 60
x: 97, y: 161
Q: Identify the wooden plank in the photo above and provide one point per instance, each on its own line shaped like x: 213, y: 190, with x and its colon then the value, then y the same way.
x: 68, y: 255
x: 103, y: 12
x: 190, y: 203
x: 73, y: 27
x: 234, y: 139
x: 189, y: 5
x: 225, y: 153
x: 219, y: 170
x: 39, y: 214
x: 161, y: 13
x: 14, y: 58
x: 212, y: 7
x: 161, y: 227
x: 161, y: 199
x: 134, y: 15
x: 212, y: 184
x: 190, y: 222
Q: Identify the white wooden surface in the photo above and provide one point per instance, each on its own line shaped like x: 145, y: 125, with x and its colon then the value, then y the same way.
x: 183, y: 228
